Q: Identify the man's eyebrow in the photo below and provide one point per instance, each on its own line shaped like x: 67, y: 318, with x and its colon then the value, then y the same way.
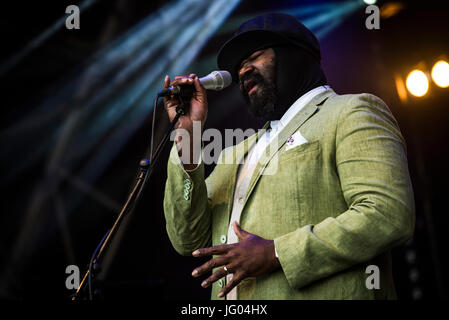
x: 254, y: 55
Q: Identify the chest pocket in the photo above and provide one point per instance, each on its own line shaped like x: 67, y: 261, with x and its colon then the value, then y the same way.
x: 306, y: 150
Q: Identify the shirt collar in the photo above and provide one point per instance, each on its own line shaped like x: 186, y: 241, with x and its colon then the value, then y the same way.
x: 277, y: 125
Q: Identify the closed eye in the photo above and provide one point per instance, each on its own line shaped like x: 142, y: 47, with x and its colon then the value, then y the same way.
x: 253, y: 57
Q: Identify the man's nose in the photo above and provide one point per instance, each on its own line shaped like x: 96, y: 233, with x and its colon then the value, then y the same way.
x: 244, y: 69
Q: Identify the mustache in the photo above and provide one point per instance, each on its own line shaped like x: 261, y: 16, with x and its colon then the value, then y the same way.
x: 253, y: 76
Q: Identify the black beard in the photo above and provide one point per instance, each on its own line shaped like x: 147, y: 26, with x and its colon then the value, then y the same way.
x: 262, y: 103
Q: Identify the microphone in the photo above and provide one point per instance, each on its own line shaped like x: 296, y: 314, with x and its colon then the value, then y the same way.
x: 216, y: 80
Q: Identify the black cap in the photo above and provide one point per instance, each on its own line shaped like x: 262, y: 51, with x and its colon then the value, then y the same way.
x: 264, y: 31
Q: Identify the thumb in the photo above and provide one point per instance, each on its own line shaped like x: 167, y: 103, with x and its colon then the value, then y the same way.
x: 166, y: 82
x: 242, y: 234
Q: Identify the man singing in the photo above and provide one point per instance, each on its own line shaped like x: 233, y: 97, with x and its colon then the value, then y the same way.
x: 340, y: 196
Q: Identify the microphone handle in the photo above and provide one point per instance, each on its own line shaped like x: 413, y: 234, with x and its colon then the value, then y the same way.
x: 184, y: 91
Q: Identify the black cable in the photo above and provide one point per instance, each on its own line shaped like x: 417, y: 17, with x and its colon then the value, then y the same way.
x: 159, y: 148
x: 152, y: 126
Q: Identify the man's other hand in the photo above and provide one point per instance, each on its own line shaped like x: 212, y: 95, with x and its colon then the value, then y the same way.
x: 252, y: 256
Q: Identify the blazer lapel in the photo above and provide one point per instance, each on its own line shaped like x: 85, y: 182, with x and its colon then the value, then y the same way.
x: 302, y: 116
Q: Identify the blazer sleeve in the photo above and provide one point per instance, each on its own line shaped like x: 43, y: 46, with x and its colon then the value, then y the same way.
x: 371, y: 162
x: 186, y: 206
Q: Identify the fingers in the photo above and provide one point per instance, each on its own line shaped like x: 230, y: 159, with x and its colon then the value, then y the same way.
x: 236, y: 279
x: 211, y: 264
x: 242, y: 234
x: 179, y: 80
x: 220, y: 273
x: 215, y: 250
x: 192, y: 79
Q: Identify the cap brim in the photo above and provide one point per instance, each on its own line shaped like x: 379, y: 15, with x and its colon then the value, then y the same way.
x: 234, y: 51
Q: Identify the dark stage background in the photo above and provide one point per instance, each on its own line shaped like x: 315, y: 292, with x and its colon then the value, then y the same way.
x: 77, y: 107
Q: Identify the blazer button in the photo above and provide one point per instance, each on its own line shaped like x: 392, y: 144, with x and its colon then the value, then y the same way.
x: 223, y: 238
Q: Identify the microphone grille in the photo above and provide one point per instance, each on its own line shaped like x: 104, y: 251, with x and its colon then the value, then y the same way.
x: 222, y: 79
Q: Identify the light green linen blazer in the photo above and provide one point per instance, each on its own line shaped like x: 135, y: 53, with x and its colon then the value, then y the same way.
x: 335, y: 204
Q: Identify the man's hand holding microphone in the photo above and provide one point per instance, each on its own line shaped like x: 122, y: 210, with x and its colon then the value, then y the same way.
x: 197, y: 110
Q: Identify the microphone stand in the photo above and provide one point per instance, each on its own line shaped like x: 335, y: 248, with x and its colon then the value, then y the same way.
x: 145, y: 169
